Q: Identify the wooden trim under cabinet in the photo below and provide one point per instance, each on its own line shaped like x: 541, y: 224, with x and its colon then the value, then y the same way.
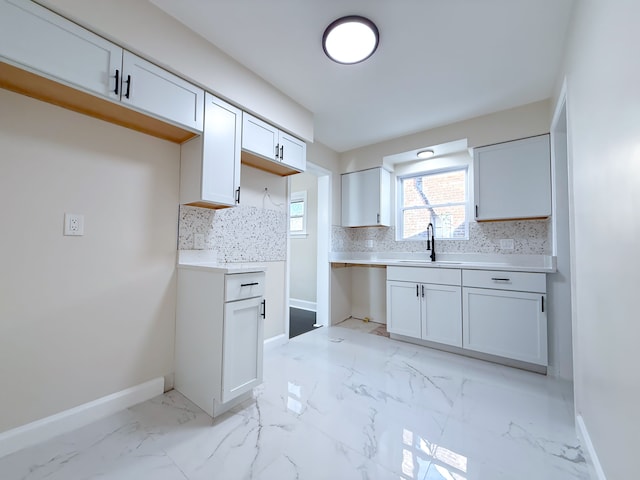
x: 271, y: 166
x: 41, y: 88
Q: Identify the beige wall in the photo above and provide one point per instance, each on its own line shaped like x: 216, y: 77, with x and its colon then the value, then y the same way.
x: 324, y: 157
x: 82, y: 317
x: 520, y: 122
x: 603, y: 101
x: 142, y: 28
x: 253, y: 183
x: 304, y: 249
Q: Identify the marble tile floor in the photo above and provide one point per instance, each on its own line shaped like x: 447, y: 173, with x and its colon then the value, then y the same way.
x: 337, y: 403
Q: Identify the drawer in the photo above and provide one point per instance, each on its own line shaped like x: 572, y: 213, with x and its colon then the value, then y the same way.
x: 503, y: 280
x: 441, y: 276
x: 243, y: 285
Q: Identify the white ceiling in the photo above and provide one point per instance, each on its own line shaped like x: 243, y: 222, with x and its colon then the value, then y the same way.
x: 438, y: 62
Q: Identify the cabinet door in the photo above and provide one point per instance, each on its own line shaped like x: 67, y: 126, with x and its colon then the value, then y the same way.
x: 242, y: 347
x: 151, y: 89
x: 293, y: 152
x: 259, y: 137
x: 361, y: 198
x: 504, y: 323
x: 38, y: 40
x: 513, y: 179
x: 403, y: 309
x: 442, y: 314
x: 221, y: 152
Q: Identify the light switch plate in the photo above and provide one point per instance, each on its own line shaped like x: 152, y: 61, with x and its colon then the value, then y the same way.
x: 507, y: 244
x: 73, y: 224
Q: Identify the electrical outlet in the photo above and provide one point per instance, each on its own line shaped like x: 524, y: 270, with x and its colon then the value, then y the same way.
x: 198, y: 241
x: 369, y: 243
x: 73, y: 224
x: 507, y: 244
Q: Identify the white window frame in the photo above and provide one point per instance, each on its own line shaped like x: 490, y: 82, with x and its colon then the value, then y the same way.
x: 399, y: 201
x: 297, y: 197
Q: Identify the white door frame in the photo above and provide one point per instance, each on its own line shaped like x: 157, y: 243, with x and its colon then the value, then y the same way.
x: 563, y: 245
x: 324, y: 243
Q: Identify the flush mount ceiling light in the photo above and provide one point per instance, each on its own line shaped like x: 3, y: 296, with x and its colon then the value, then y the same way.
x: 350, y: 39
x: 425, y: 154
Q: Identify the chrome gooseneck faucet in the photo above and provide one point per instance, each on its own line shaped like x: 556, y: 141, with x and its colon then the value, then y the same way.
x: 431, y: 242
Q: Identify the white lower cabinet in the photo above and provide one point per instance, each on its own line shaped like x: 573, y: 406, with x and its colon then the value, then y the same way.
x: 428, y: 311
x: 497, y: 313
x: 404, y: 309
x: 219, y: 336
x: 242, y: 347
x: 504, y: 314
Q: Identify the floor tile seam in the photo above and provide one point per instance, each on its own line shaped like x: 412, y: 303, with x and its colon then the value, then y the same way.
x: 356, y: 450
x: 175, y: 464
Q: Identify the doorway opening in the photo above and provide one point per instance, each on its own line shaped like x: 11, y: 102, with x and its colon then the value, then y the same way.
x: 560, y: 283
x: 309, y: 226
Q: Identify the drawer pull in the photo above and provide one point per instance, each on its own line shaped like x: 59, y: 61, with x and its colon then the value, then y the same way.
x: 249, y: 284
x: 498, y: 279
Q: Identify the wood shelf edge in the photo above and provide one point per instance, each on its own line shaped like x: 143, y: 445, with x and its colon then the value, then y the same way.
x: 41, y: 88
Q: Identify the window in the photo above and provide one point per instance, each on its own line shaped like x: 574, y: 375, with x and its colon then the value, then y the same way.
x: 298, y: 213
x: 437, y: 197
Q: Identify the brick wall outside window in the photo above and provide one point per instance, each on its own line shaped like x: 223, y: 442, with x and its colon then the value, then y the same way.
x: 439, y: 198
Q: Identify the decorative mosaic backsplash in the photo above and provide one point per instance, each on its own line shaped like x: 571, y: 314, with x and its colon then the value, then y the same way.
x: 531, y: 237
x: 238, y: 234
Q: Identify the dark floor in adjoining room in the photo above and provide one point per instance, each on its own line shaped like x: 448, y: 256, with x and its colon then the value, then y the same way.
x: 300, y: 321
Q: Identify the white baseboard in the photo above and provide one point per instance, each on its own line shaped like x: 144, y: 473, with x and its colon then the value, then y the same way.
x: 303, y: 304
x: 63, y: 422
x: 273, y: 342
x: 592, y: 456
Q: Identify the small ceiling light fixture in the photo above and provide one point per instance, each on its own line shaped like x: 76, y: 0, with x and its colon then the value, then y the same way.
x: 350, y: 39
x: 425, y: 154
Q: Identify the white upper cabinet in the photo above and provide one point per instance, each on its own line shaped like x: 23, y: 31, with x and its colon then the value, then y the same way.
x: 210, y: 163
x: 293, y: 152
x: 271, y: 149
x: 512, y: 180
x: 366, y: 198
x: 259, y: 137
x: 50, y: 58
x: 41, y: 41
x: 153, y: 90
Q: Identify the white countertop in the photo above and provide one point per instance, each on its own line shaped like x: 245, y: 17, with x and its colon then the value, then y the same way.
x: 468, y: 261
x: 208, y: 260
